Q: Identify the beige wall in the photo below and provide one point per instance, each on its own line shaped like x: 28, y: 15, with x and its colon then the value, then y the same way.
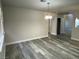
x: 54, y: 25
x: 75, y: 34
x: 75, y: 31
x: 0, y: 19
x: 24, y: 24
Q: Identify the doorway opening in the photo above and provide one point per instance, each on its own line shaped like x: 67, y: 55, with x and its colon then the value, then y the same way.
x: 64, y: 26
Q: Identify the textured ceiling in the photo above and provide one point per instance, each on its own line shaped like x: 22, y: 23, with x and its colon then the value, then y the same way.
x: 55, y: 5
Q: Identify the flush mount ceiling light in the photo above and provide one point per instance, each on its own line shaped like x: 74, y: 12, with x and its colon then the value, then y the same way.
x: 43, y: 0
x: 48, y: 16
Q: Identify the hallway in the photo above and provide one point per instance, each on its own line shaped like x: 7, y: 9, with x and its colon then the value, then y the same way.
x: 43, y: 49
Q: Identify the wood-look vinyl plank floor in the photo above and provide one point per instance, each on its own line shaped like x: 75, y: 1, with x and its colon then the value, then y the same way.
x: 43, y: 49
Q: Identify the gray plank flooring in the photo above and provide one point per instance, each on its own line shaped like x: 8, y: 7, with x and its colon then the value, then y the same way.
x: 43, y: 49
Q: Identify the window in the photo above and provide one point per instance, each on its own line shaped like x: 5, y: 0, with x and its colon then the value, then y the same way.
x: 77, y: 23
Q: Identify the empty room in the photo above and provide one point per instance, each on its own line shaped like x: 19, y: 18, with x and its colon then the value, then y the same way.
x: 39, y: 29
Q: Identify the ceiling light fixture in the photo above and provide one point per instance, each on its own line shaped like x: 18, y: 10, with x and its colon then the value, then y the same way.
x: 43, y: 0
x: 48, y: 16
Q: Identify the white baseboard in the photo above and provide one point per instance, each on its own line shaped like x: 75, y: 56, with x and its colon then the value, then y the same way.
x: 26, y: 40
x: 53, y: 33
x: 74, y: 39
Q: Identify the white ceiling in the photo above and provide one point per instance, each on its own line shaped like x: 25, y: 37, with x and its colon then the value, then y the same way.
x: 55, y: 5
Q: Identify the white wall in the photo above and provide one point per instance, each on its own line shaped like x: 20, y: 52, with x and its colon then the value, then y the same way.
x: 24, y: 24
x: 62, y: 26
x: 2, y: 46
